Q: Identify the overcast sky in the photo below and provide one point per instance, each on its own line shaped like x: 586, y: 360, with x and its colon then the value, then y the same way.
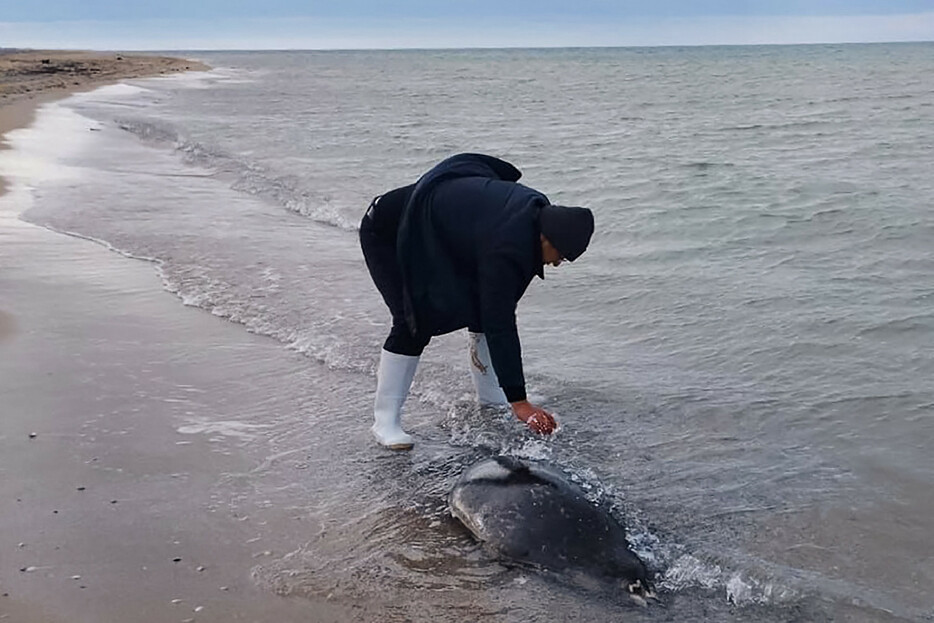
x: 296, y: 24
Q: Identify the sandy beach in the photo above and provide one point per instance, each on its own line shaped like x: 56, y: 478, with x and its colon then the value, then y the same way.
x: 108, y: 510
x: 28, y: 78
x: 38, y: 74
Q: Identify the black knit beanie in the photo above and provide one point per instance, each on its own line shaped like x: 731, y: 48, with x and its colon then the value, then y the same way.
x: 567, y: 229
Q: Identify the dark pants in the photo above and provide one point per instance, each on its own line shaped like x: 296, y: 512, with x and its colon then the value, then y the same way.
x: 379, y: 251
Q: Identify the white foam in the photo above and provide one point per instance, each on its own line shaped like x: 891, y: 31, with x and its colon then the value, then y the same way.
x: 205, y: 79
x: 534, y: 449
x: 690, y: 571
x: 224, y: 428
x: 110, y: 92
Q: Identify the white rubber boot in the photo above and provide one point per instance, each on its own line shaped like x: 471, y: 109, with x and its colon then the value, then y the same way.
x: 393, y: 380
x: 481, y: 369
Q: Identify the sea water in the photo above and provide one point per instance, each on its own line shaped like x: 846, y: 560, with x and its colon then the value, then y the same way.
x: 741, y: 362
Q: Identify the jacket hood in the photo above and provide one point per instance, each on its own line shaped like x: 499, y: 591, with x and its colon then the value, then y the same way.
x: 471, y: 165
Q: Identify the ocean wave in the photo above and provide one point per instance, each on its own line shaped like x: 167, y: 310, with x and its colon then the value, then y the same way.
x: 918, y: 323
x: 244, y: 175
x: 149, y: 131
x: 704, y: 165
x: 768, y: 127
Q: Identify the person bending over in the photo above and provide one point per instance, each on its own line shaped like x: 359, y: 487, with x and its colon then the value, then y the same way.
x: 457, y: 249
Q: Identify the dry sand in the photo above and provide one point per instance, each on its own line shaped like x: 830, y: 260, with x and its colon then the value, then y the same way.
x: 36, y: 73
x: 107, y: 511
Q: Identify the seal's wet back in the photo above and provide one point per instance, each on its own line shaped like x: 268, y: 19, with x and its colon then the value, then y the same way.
x: 531, y: 513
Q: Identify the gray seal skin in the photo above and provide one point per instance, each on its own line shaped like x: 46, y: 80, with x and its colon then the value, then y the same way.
x: 530, y: 513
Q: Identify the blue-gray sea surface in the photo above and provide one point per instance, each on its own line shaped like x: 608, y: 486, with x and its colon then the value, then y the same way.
x: 742, y: 362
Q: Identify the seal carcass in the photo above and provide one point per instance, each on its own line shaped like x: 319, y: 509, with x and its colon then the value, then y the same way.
x: 531, y: 513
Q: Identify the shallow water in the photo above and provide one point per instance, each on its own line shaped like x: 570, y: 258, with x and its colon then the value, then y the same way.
x: 741, y: 361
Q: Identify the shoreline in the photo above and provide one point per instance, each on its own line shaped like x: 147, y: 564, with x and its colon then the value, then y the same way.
x: 129, y: 422
x: 133, y: 428
x: 31, y: 78
x: 109, y: 506
x: 125, y: 417
x: 19, y: 114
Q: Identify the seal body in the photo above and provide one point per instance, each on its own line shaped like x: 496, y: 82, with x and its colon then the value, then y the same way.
x: 531, y: 513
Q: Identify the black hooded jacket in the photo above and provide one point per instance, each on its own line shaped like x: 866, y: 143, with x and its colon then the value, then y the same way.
x: 468, y: 247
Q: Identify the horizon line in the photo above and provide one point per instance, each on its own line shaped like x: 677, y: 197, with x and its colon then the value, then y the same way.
x: 474, y: 48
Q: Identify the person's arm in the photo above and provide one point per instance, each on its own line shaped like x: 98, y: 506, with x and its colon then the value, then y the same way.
x: 500, y: 282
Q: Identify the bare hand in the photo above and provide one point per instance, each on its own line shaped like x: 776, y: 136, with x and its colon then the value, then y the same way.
x: 536, y: 418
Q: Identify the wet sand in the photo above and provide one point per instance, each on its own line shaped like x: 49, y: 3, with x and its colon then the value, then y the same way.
x: 110, y: 508
x: 19, y: 114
